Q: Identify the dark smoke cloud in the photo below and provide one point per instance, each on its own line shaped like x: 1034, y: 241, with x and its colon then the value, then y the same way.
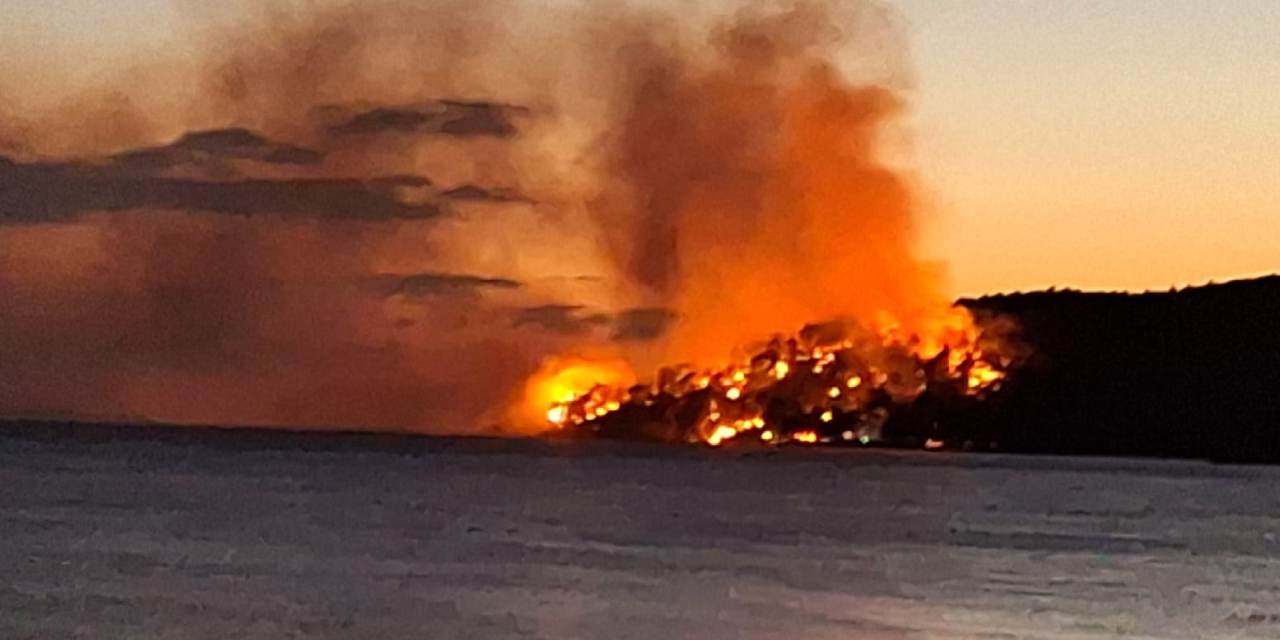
x: 435, y: 284
x: 481, y: 194
x: 564, y: 319
x: 50, y: 192
x: 138, y: 179
x: 446, y: 117
x: 629, y: 325
x: 236, y: 143
x: 641, y: 325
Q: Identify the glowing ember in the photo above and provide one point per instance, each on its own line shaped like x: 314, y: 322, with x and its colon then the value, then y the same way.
x: 721, y: 434
x: 805, y: 437
x: 558, y: 414
x: 982, y: 375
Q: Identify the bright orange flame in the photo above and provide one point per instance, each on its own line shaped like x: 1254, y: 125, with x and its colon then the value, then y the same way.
x: 562, y: 379
x: 805, y: 437
x: 720, y: 434
x: 982, y: 375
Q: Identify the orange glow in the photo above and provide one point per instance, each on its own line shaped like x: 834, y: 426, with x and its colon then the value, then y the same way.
x: 982, y: 375
x: 805, y: 437
x: 561, y: 380
x: 720, y: 434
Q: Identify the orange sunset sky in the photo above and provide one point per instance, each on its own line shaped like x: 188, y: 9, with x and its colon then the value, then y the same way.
x: 1097, y: 145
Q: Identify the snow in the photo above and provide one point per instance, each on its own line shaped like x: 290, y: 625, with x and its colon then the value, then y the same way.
x: 521, y: 539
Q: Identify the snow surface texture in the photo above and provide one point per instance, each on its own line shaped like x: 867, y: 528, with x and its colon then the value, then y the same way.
x: 493, y: 539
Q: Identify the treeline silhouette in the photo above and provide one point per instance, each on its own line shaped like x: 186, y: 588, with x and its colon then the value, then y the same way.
x: 1189, y: 373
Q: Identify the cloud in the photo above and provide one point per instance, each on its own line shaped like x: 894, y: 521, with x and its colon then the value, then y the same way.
x: 433, y: 284
x: 51, y: 192
x: 141, y: 179
x: 471, y: 192
x: 630, y: 325
x: 217, y: 144
x: 563, y: 319
x: 444, y: 117
x: 640, y: 325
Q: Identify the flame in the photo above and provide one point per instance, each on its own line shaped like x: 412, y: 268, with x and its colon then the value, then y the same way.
x: 562, y: 381
x: 856, y: 374
x: 721, y: 434
x: 982, y: 376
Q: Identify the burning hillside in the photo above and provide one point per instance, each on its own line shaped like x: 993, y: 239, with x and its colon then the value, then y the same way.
x: 832, y: 382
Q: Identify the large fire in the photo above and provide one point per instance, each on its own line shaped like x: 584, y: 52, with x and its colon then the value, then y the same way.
x: 749, y: 196
x: 832, y: 382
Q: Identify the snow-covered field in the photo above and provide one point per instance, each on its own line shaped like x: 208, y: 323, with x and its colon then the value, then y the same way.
x: 512, y: 539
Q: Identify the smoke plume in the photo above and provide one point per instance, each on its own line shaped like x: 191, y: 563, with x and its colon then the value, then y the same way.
x: 388, y: 215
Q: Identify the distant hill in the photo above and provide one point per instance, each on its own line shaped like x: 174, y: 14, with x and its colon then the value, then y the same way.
x: 1189, y: 373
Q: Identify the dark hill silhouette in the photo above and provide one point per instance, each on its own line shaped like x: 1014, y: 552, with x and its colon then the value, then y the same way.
x: 1190, y: 373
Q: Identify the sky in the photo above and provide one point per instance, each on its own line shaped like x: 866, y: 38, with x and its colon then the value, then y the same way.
x: 1097, y: 145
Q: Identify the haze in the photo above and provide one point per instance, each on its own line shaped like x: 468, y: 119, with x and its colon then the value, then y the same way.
x: 1100, y: 145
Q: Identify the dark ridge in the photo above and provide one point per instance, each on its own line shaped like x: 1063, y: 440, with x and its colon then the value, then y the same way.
x: 1190, y: 373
